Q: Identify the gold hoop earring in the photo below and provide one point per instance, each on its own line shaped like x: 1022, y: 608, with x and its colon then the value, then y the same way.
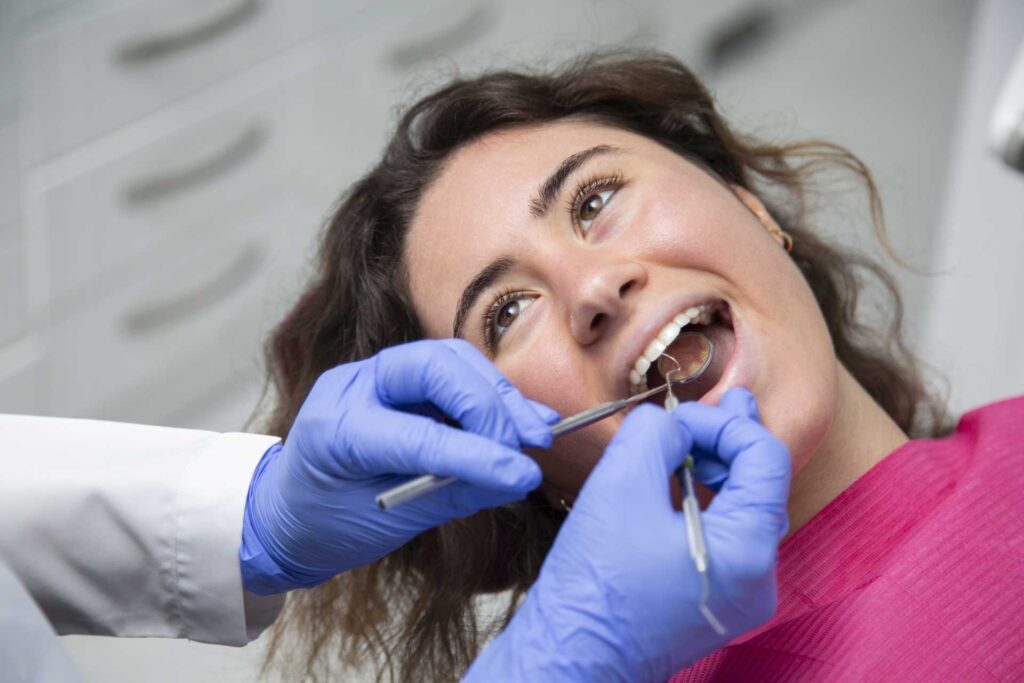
x: 784, y: 237
x: 787, y: 241
x: 565, y: 506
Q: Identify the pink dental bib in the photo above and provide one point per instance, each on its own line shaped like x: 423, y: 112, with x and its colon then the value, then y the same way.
x: 914, y: 573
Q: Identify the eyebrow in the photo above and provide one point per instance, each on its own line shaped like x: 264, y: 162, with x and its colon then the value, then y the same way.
x: 540, y: 204
x: 549, y: 189
x: 477, y: 286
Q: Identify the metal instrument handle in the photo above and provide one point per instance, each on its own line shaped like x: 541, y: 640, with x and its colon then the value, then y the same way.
x: 429, y: 482
x: 426, y: 483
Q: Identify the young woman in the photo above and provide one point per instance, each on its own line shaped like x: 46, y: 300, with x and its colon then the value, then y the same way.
x: 562, y: 223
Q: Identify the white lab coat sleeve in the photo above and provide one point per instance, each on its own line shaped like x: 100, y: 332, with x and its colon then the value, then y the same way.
x: 130, y: 530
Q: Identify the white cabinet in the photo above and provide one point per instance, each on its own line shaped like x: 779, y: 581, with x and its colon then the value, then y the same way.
x: 162, y: 254
x: 460, y: 36
x: 98, y: 70
x: 188, y: 325
x: 169, y: 197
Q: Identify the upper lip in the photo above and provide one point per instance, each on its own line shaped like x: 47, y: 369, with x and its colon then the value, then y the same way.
x: 639, y: 337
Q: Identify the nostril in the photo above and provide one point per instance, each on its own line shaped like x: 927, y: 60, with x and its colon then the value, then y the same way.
x: 596, y: 321
x: 625, y: 288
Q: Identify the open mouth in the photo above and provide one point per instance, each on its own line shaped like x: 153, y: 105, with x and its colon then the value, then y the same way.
x: 712, y: 319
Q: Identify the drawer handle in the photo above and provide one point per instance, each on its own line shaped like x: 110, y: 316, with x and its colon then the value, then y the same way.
x: 479, y: 20
x: 154, y: 48
x: 154, y: 189
x: 161, y: 314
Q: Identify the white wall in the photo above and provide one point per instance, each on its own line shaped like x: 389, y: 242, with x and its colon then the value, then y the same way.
x: 975, y: 319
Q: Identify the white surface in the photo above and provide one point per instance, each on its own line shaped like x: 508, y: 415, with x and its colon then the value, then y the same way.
x: 1006, y: 129
x: 982, y: 237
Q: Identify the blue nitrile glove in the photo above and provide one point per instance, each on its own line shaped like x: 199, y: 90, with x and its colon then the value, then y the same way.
x: 617, y: 598
x: 310, y: 512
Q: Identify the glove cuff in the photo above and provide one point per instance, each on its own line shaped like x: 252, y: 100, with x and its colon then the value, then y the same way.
x: 260, y: 573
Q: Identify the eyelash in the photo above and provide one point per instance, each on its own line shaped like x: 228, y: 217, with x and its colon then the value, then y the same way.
x: 503, y: 297
x: 584, y: 189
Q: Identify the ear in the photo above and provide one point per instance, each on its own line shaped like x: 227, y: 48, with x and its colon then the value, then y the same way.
x: 757, y: 207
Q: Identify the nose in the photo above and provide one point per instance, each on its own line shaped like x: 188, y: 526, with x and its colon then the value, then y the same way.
x: 600, y: 295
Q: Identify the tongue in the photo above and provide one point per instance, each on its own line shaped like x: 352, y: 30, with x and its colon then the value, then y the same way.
x: 690, y: 349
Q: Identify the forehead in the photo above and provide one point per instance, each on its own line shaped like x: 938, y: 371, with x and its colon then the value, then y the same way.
x: 514, y: 162
x: 478, y: 208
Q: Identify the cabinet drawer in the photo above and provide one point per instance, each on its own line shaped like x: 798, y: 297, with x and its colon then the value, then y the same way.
x: 190, y: 325
x: 482, y: 34
x: 88, y: 77
x: 164, y: 199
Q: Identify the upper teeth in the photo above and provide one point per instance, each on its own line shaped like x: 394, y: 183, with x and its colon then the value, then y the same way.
x: 702, y: 315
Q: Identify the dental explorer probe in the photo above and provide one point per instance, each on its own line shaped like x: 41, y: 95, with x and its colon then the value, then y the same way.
x: 691, y: 514
x: 422, y: 485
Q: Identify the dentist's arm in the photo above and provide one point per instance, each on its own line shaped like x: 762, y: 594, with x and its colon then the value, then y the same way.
x: 617, y: 597
x: 130, y: 530
x: 134, y: 530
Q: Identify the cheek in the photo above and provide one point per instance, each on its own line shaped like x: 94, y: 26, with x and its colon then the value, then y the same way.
x: 796, y: 383
x: 798, y: 390
x: 664, y: 225
x: 801, y: 402
x: 680, y: 228
x: 551, y: 373
x: 800, y: 414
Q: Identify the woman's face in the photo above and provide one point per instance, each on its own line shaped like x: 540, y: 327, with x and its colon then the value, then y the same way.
x: 563, y: 250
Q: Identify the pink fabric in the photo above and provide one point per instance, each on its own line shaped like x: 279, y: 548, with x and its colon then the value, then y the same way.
x: 914, y: 573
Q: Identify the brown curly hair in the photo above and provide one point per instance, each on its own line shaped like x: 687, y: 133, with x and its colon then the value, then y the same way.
x: 413, y: 614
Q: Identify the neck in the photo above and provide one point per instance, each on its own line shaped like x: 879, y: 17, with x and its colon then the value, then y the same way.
x: 861, y: 435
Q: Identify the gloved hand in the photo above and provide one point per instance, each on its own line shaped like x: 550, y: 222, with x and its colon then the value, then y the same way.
x: 617, y: 597
x: 310, y: 512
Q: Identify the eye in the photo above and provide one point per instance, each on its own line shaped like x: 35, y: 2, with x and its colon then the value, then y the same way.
x: 591, y: 206
x: 591, y: 198
x: 503, y: 313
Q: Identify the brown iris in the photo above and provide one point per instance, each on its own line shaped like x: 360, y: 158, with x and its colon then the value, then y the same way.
x: 591, y: 207
x: 508, y: 313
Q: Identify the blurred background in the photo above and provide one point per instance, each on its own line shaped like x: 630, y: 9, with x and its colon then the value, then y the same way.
x: 166, y: 167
